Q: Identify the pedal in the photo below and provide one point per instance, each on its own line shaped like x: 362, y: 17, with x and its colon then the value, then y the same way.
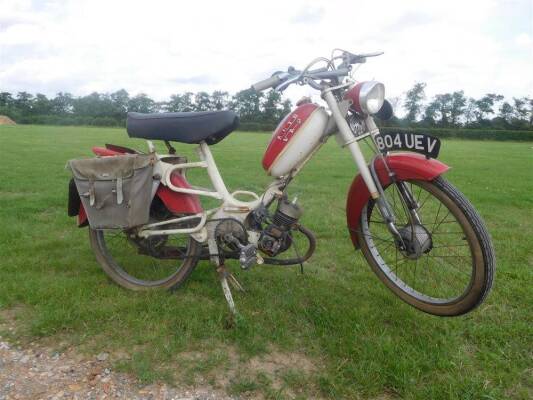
x: 249, y: 256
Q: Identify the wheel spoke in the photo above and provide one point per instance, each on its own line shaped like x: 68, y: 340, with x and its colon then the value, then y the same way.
x: 133, y: 260
x: 436, y: 276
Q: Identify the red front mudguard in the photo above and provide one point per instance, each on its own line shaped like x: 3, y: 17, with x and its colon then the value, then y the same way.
x: 405, y: 166
x: 176, y: 203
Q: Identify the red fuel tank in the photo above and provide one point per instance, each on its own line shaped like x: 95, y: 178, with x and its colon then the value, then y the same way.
x: 295, y: 138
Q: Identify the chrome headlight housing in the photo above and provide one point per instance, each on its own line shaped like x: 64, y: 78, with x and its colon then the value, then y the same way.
x: 367, y: 97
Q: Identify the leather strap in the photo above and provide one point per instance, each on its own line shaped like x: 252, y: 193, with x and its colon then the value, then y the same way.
x: 92, y: 196
x: 120, y: 194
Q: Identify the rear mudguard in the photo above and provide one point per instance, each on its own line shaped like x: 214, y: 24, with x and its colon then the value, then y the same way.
x: 405, y: 166
x: 176, y: 203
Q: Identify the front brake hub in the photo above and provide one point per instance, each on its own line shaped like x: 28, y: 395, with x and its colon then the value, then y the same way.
x: 416, y: 241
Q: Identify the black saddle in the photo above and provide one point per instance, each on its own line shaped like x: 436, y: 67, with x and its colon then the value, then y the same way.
x: 184, y: 127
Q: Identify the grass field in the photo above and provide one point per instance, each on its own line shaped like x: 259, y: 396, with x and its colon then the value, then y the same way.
x: 334, y: 332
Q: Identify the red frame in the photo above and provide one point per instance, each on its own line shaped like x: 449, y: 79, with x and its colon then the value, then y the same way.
x: 405, y: 166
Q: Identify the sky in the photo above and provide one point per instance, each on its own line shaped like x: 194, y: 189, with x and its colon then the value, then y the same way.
x: 163, y: 47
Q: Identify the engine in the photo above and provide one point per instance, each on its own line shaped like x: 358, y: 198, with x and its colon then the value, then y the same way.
x: 276, y: 238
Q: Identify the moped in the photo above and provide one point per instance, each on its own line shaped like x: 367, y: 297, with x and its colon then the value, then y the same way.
x: 419, y: 234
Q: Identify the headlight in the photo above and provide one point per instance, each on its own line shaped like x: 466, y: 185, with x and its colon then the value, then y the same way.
x: 367, y: 97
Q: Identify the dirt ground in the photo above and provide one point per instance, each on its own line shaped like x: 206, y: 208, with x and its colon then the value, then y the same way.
x: 37, y: 371
x: 6, y: 120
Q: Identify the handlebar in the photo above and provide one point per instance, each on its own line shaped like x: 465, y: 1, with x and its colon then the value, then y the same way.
x: 281, y: 80
x: 267, y: 83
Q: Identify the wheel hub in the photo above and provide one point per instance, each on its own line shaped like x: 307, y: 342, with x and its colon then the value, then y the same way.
x: 416, y: 241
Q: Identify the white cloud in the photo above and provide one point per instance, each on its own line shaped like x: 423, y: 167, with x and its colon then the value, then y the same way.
x: 163, y: 47
x: 525, y: 40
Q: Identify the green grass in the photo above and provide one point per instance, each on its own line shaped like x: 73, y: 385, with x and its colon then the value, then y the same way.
x: 360, y: 341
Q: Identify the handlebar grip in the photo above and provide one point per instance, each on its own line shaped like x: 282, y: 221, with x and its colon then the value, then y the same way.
x: 266, y: 83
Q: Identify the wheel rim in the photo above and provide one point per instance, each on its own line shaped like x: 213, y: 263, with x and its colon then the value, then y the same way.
x: 130, y: 257
x: 443, y: 275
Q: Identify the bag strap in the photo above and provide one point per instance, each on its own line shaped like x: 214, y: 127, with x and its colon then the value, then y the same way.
x: 120, y: 194
x: 92, y: 194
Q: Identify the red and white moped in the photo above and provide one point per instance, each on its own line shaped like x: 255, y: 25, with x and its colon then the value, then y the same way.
x: 419, y: 234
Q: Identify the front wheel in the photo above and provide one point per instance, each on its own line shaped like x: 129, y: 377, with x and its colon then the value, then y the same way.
x: 445, y: 264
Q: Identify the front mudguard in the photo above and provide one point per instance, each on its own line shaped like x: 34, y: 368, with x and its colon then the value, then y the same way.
x: 405, y: 166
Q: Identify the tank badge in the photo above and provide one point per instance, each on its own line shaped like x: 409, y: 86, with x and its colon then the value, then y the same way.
x: 289, y: 128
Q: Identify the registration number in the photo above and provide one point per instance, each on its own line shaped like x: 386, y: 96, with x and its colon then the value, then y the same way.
x: 419, y: 143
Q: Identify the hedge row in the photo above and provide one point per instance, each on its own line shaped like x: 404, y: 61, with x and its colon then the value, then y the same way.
x: 456, y: 133
x: 256, y: 127
x: 70, y: 120
x: 74, y: 120
x: 452, y: 133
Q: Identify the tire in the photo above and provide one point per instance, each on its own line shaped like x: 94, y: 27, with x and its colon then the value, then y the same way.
x: 474, y: 240
x: 124, y: 278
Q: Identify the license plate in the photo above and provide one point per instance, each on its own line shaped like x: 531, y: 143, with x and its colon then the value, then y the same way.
x: 417, y: 142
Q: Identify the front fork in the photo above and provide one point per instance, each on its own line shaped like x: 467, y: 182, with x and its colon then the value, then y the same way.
x: 369, y: 175
x: 347, y: 139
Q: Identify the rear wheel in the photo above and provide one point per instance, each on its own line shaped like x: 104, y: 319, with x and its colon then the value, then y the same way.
x: 158, y: 262
x: 448, y: 268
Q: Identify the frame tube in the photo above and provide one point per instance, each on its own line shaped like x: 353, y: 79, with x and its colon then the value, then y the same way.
x: 350, y: 141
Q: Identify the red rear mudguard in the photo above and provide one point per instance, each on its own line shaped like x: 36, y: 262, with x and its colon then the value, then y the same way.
x: 405, y: 166
x: 176, y: 203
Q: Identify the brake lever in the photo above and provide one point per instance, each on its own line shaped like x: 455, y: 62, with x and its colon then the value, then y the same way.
x: 374, y: 54
x: 360, y: 58
x: 285, y: 84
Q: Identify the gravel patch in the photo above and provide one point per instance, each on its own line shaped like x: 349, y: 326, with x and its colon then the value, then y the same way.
x: 36, y: 372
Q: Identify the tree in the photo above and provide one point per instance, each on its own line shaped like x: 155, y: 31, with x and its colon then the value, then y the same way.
x: 447, y: 108
x: 202, y: 102
x: 520, y: 108
x: 506, y: 112
x: 272, y: 108
x: 141, y: 103
x: 430, y: 113
x: 62, y: 104
x: 457, y: 109
x: 413, y: 101
x: 120, y: 100
x: 220, y: 100
x: 470, y: 110
x: 287, y: 106
x: 24, y: 102
x: 263, y: 109
x: 6, y: 100
x: 41, y: 105
x: 444, y: 107
x: 247, y: 103
x: 530, y: 102
x: 93, y: 105
x: 485, y: 105
x: 180, y: 103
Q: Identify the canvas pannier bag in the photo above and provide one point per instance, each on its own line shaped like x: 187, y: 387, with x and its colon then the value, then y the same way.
x: 116, y: 191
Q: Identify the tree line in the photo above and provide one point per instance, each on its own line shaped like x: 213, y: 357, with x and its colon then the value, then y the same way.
x: 455, y: 110
x: 256, y: 110
x: 262, y: 111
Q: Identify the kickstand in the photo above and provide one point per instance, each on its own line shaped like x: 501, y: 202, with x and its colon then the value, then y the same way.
x: 235, y: 283
x: 223, y: 275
